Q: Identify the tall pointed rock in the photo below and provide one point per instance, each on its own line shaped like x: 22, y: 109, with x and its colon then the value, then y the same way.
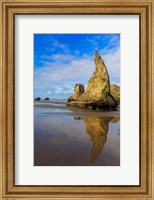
x: 99, y: 84
x: 97, y: 94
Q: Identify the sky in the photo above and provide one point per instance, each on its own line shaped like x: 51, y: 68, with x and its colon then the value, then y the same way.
x: 62, y: 60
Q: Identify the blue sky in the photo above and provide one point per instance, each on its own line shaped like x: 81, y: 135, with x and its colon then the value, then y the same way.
x: 62, y: 60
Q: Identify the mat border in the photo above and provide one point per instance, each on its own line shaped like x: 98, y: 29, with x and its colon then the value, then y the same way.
x: 10, y: 8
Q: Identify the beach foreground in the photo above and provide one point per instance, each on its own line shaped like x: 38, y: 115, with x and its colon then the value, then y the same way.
x: 69, y: 136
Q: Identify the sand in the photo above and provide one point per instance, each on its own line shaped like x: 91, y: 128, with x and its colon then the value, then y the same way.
x: 79, y: 111
x: 68, y: 136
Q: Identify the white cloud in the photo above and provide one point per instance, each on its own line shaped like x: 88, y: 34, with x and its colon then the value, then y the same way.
x: 57, y: 57
x: 111, y: 42
x: 55, y: 44
x: 76, y: 69
x: 58, y: 77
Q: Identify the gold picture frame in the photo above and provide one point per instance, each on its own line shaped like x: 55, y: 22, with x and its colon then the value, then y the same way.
x: 10, y: 8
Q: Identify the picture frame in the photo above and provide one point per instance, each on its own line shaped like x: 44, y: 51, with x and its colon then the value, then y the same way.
x: 10, y: 8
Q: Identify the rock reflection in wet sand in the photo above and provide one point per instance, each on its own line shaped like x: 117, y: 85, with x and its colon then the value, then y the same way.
x: 78, y: 141
x: 97, y: 128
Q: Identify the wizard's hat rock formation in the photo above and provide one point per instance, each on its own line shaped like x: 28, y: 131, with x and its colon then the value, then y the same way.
x: 97, y: 94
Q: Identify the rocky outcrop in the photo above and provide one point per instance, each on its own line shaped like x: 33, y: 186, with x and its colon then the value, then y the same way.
x: 97, y: 94
x: 99, y: 84
x: 46, y: 99
x: 38, y: 99
x: 79, y: 89
x: 115, y: 92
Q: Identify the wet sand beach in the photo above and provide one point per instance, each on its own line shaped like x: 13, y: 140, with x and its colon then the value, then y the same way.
x: 68, y: 136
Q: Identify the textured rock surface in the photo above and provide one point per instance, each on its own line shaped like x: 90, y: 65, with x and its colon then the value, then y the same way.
x: 99, y: 84
x: 97, y: 94
x: 79, y: 89
x: 115, y: 92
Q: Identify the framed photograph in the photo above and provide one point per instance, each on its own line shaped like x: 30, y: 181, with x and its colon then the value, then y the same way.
x: 76, y: 99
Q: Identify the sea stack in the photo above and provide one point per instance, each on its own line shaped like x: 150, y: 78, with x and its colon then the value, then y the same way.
x: 97, y: 94
x: 79, y: 89
x: 37, y: 99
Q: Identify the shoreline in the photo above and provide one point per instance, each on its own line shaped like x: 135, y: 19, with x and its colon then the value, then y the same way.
x: 78, y: 111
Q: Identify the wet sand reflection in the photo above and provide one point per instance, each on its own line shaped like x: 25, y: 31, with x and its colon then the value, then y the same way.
x: 66, y: 139
x: 97, y: 128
